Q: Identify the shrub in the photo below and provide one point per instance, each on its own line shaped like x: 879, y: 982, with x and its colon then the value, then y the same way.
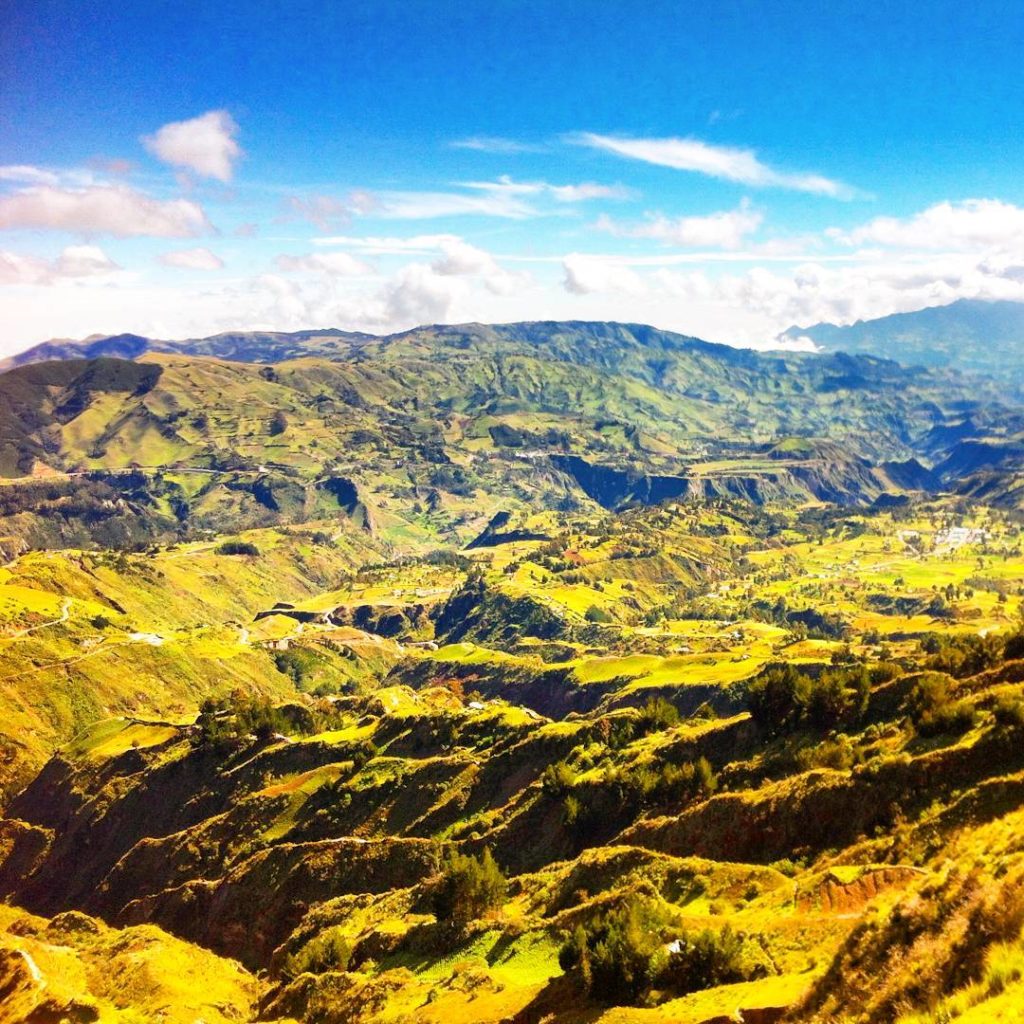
x: 596, y: 614
x: 619, y: 954
x: 933, y: 711
x: 558, y: 778
x: 329, y: 951
x: 236, y: 547
x: 469, y: 887
x: 1009, y: 711
x: 783, y: 700
x: 226, y: 722
x: 658, y: 713
x: 705, y: 960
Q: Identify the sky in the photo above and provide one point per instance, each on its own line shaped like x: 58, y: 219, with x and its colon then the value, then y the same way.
x: 730, y: 170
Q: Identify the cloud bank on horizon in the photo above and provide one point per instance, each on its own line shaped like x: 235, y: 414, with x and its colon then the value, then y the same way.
x: 261, y: 203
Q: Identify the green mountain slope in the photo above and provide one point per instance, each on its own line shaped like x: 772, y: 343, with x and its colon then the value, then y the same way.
x: 414, y: 432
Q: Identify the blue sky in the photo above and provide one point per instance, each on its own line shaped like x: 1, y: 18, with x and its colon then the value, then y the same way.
x: 726, y: 170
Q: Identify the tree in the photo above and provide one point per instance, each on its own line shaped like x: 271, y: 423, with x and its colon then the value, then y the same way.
x: 278, y: 424
x: 469, y: 887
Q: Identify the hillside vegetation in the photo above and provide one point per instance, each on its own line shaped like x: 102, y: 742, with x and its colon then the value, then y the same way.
x: 536, y: 673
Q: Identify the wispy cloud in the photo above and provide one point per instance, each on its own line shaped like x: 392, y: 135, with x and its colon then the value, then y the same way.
x: 496, y: 144
x: 428, y: 205
x: 192, y: 259
x: 28, y: 175
x: 577, y: 193
x: 725, y: 162
x: 335, y: 264
x: 379, y: 245
x: 727, y: 229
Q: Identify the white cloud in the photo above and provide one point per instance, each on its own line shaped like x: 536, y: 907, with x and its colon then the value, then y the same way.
x: 75, y: 261
x: 726, y: 230
x: 729, y: 163
x: 587, y: 274
x: 322, y: 211
x: 101, y: 210
x: 966, y: 225
x: 378, y: 245
x: 340, y: 264
x: 205, y: 145
x: 562, y: 193
x: 495, y: 144
x: 428, y: 205
x: 458, y: 257
x: 192, y: 259
x: 28, y: 175
x: 419, y: 295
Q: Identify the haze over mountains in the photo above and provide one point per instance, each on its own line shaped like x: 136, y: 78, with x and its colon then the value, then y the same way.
x: 980, y: 336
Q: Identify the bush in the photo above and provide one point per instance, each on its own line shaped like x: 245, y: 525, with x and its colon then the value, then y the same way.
x: 619, y: 954
x: 236, y: 547
x: 469, y: 887
x: 558, y: 778
x: 227, y: 722
x: 658, y: 713
x: 933, y: 711
x: 705, y: 960
x: 1009, y: 711
x: 596, y: 614
x: 783, y: 700
x: 329, y: 951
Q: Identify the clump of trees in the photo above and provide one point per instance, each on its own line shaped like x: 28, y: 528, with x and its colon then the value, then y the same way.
x: 236, y: 547
x: 469, y: 886
x: 783, y: 700
x: 226, y: 722
x: 328, y: 951
x: 278, y: 424
x: 620, y: 955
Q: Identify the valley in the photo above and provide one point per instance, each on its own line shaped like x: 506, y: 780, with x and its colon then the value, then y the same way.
x: 519, y: 673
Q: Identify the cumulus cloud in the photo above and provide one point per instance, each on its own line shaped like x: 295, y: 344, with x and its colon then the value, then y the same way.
x: 585, y: 275
x: 101, y: 210
x: 459, y: 257
x: 726, y: 162
x: 419, y: 295
x: 340, y: 264
x: 966, y: 225
x: 192, y: 259
x: 204, y: 145
x: 724, y: 230
x: 75, y: 261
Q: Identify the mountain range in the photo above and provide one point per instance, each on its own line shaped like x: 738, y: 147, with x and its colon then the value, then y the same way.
x: 975, y: 335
